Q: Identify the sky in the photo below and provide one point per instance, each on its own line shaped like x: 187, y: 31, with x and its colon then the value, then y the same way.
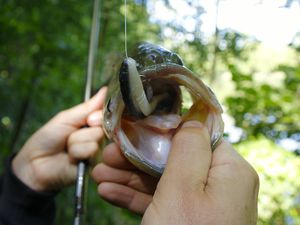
x: 267, y: 20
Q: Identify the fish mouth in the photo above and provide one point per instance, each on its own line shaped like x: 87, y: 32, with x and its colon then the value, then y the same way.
x: 147, y: 134
x: 145, y: 137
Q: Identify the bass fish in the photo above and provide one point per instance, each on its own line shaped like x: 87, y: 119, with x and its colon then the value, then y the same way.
x: 143, y: 108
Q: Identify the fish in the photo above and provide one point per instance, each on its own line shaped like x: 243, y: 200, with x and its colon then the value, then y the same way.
x: 143, y: 109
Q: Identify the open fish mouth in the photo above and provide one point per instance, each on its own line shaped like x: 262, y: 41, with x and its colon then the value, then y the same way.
x: 144, y: 106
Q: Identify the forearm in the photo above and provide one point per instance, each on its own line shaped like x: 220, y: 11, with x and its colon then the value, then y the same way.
x: 21, y: 205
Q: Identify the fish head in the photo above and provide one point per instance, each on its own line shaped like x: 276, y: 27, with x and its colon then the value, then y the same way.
x: 143, y: 110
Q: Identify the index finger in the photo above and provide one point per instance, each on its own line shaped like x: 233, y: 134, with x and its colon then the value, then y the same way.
x: 77, y: 115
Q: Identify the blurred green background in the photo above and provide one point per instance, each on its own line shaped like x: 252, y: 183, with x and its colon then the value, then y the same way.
x: 43, y: 57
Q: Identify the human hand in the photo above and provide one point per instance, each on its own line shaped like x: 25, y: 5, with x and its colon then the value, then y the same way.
x: 48, y: 160
x: 198, y: 186
x: 121, y: 183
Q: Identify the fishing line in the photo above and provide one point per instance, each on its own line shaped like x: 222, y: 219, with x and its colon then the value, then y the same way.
x: 125, y: 30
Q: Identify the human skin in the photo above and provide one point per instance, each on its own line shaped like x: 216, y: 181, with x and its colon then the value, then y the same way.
x: 198, y: 186
x: 48, y: 160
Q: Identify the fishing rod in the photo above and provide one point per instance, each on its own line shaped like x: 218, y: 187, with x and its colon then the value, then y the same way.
x: 82, y: 165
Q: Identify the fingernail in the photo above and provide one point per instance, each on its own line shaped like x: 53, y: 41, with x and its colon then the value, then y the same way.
x: 192, y: 123
x: 95, y: 119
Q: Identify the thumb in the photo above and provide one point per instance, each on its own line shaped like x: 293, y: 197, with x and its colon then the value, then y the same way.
x: 77, y: 115
x: 189, y: 159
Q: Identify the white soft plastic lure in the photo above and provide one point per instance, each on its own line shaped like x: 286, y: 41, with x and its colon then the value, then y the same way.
x: 143, y: 107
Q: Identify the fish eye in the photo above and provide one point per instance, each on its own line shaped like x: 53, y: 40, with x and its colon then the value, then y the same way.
x: 152, y: 57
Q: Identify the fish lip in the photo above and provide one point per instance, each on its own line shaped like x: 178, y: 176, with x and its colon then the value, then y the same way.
x: 147, y: 167
x: 134, y: 157
x: 157, y: 68
x: 165, y: 69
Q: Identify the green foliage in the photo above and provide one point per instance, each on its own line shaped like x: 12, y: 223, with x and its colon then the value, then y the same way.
x: 279, y: 195
x: 263, y: 108
x: 43, y: 57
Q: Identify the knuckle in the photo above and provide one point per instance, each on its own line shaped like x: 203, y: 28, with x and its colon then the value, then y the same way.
x: 191, y: 134
x: 133, y: 179
x: 86, y: 107
x: 72, y: 139
x: 97, y: 133
x: 73, y: 150
x: 246, y: 170
x: 99, y: 172
x: 94, y: 146
x: 62, y: 114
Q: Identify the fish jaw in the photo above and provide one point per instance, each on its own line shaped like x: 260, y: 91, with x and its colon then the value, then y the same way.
x: 146, y: 140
